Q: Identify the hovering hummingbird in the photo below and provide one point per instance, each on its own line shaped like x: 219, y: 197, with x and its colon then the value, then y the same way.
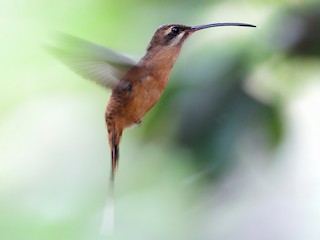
x: 136, y: 86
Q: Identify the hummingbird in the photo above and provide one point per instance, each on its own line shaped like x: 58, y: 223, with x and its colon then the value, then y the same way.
x: 136, y: 86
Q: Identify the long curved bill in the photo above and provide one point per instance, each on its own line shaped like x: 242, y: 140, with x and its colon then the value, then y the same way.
x: 200, y: 27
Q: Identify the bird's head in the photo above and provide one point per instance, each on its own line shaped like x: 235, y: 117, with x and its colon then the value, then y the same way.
x: 174, y: 35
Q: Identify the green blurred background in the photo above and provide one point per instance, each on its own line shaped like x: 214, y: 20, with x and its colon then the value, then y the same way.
x: 231, y: 151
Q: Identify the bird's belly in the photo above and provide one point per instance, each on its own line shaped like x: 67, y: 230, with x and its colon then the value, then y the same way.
x: 130, y: 107
x: 143, y: 102
x: 132, y: 113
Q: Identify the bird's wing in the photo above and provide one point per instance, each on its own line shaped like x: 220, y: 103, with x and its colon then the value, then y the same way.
x: 91, y: 61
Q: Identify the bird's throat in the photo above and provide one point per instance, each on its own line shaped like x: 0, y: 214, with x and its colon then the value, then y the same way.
x: 160, y: 61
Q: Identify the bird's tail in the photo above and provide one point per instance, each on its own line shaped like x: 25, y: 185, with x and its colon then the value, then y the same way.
x: 114, y: 136
x: 114, y: 140
x: 108, y: 215
x: 114, y: 155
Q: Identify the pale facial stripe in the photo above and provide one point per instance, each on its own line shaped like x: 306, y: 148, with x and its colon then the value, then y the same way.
x: 177, y: 39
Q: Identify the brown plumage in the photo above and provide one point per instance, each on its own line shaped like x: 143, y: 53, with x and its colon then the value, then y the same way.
x: 136, y: 87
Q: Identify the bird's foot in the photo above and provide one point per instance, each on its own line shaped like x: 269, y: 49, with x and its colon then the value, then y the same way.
x: 138, y: 122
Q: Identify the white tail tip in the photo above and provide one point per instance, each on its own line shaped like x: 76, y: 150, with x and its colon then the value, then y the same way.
x: 108, y: 219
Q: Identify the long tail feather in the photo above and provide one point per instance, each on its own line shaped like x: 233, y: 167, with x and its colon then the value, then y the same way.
x: 114, y: 157
x: 108, y: 218
x: 107, y: 226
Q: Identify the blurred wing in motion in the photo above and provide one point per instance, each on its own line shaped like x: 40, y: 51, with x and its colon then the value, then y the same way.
x: 91, y: 61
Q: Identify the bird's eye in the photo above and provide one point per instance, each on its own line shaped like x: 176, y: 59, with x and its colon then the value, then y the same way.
x: 175, y: 30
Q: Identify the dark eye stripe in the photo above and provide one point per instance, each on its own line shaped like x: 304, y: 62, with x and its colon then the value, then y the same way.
x: 170, y: 37
x: 175, y: 31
